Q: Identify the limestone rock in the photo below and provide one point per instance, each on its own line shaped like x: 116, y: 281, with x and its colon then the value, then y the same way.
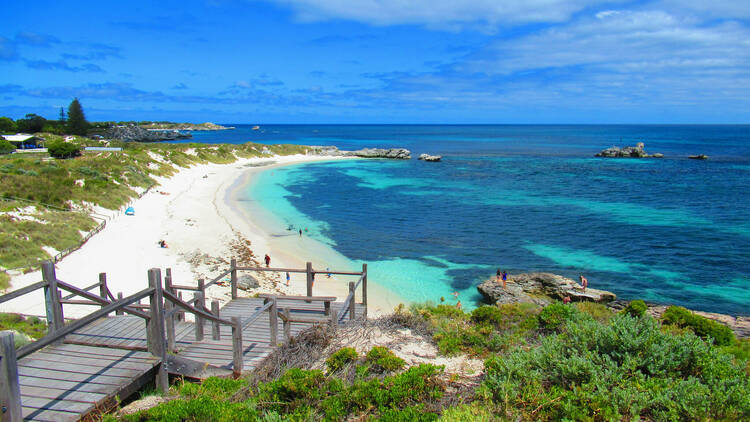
x: 132, y: 133
x: 394, y: 153
x: 247, y: 282
x: 540, y: 288
x: 428, y: 157
x: 627, y: 152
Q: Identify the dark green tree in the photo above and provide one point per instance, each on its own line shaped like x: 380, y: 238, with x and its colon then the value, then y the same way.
x: 7, y: 125
x: 62, y: 116
x: 31, y: 123
x: 77, y: 124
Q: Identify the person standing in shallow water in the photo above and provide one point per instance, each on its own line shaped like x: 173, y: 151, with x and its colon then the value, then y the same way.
x: 584, y: 282
x: 268, y: 260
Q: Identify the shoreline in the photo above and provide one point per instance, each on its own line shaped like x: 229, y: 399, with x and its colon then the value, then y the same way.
x: 196, y: 212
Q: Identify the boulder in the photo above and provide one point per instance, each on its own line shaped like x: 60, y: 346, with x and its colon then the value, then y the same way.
x: 540, y: 288
x: 247, y: 282
x: 428, y: 157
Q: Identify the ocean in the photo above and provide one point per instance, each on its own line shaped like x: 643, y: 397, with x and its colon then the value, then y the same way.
x: 525, y: 198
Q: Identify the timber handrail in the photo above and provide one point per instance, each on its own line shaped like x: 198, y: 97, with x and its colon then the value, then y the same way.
x: 203, y: 314
x: 181, y: 287
x: 215, y: 280
x: 22, y: 291
x: 85, y: 289
x: 299, y: 298
x: 78, y: 324
x: 296, y: 270
x: 102, y: 301
x: 256, y: 315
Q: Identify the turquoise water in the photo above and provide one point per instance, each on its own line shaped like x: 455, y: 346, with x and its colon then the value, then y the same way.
x: 529, y: 198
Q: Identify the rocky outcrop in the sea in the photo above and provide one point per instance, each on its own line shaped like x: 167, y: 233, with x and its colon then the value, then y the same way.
x: 186, y: 126
x: 132, y: 133
x: 698, y: 157
x: 428, y: 157
x: 627, y: 152
x: 740, y: 325
x: 393, y: 153
x: 540, y: 288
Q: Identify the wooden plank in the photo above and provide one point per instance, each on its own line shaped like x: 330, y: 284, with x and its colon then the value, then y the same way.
x: 64, y: 385
x: 122, y: 363
x: 71, y: 376
x: 299, y: 298
x: 65, y: 368
x: 100, y: 352
x: 64, y: 405
x: 35, y: 414
x: 57, y: 394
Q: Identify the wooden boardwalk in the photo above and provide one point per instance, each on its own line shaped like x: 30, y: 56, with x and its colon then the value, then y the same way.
x: 90, y: 364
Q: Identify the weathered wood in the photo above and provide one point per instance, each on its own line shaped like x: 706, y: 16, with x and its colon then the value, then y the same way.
x: 195, y: 310
x: 119, y: 298
x: 129, y: 309
x: 351, y: 303
x: 334, y: 319
x: 180, y: 312
x: 233, y: 279
x: 216, y: 279
x: 236, y: 346
x: 256, y: 314
x: 198, y: 320
x: 310, y: 279
x: 273, y: 313
x: 287, y: 325
x: 169, y: 321
x: 364, y: 290
x: 103, y: 286
x: 327, y: 308
x: 300, y: 298
x: 86, y: 289
x: 77, y: 324
x: 157, y: 342
x: 293, y: 270
x: 22, y: 291
x: 10, y: 393
x: 52, y: 298
x: 215, y: 329
x: 78, y: 302
x: 189, y: 288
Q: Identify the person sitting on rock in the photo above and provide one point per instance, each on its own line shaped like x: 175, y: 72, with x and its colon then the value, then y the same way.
x: 584, y: 282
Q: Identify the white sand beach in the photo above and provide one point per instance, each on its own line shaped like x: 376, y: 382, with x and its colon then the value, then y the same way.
x: 195, y: 212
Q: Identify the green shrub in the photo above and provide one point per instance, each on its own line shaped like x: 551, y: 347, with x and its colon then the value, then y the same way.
x: 486, y: 315
x: 341, y: 358
x: 4, y: 280
x: 6, y: 147
x: 701, y: 326
x: 384, y: 359
x: 61, y: 149
x: 636, y: 308
x: 555, y: 315
x: 597, y: 311
x: 474, y: 412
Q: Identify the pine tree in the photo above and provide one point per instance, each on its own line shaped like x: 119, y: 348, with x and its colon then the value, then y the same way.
x: 77, y: 124
x: 62, y: 115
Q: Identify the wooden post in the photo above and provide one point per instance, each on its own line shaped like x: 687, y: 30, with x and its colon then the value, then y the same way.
x: 353, y: 302
x: 236, y: 346
x: 287, y: 325
x: 103, y: 287
x: 310, y: 276
x: 10, y: 391
x: 198, y: 320
x: 233, y: 267
x: 168, y: 307
x: 180, y: 313
x: 327, y: 308
x: 52, y: 298
x: 273, y: 315
x: 157, y: 342
x: 334, y: 319
x: 215, y: 327
x: 364, y: 291
x: 119, y: 298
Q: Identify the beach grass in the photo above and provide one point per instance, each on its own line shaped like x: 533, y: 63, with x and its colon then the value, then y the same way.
x: 4, y: 280
x: 31, y: 326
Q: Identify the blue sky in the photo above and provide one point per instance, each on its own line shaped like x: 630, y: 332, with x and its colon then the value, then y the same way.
x: 380, y: 61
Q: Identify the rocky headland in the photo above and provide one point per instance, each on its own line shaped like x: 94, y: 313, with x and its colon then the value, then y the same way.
x: 133, y: 133
x: 627, y: 152
x: 540, y: 288
x: 186, y: 126
x: 392, y: 153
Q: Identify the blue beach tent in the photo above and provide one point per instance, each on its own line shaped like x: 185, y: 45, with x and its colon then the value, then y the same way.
x: 130, y: 211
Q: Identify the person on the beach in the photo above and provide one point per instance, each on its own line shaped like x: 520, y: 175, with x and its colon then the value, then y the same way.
x: 505, y: 279
x: 458, y: 304
x: 584, y: 282
x: 268, y: 260
x: 329, y: 274
x: 287, y: 279
x: 499, y: 272
x: 300, y: 232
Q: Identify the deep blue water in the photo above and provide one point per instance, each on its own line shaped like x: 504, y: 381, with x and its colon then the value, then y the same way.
x: 526, y: 198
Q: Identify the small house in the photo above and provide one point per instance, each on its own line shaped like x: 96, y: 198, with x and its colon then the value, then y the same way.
x: 23, y: 140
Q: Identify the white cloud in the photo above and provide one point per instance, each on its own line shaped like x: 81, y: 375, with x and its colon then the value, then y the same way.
x: 444, y: 13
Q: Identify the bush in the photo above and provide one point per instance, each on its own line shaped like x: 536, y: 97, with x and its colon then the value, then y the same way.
x: 342, y: 357
x: 6, y: 147
x: 486, y: 315
x: 384, y: 359
x: 555, y: 315
x: 636, y: 308
x: 701, y: 326
x: 60, y: 149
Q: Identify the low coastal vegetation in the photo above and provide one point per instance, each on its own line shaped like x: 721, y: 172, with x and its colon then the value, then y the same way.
x: 48, y: 200
x: 561, y: 362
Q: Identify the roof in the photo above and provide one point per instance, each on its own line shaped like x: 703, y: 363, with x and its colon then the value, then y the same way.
x: 20, y: 137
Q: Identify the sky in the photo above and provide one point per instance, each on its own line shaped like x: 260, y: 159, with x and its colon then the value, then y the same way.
x: 379, y: 61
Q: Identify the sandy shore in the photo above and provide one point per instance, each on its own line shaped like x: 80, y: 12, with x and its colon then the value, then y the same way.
x: 197, y: 214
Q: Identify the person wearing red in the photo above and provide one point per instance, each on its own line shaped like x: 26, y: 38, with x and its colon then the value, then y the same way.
x: 268, y: 260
